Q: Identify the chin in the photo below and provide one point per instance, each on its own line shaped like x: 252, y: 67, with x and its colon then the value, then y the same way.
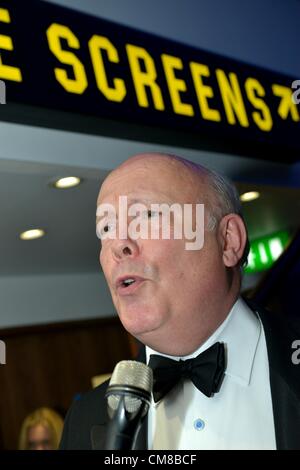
x: 138, y: 322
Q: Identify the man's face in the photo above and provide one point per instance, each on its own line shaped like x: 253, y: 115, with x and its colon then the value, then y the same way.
x: 175, y: 289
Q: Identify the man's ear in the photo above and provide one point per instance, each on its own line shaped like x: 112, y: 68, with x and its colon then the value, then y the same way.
x: 233, y: 234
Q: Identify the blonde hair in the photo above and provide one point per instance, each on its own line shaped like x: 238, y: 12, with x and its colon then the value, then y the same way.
x: 48, y: 418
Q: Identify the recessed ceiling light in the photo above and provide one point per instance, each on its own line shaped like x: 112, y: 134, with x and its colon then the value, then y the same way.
x: 32, y: 234
x: 68, y: 182
x: 249, y: 196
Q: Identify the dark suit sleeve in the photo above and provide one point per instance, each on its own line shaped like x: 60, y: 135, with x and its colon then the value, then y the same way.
x: 65, y: 435
x: 71, y: 438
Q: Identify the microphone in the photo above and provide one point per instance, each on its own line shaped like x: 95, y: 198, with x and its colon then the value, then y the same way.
x: 128, y: 398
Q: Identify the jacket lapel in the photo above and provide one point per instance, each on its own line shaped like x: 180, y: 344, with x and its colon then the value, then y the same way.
x: 284, y: 379
x: 286, y: 409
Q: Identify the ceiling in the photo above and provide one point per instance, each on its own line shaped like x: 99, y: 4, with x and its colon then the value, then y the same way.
x: 68, y: 216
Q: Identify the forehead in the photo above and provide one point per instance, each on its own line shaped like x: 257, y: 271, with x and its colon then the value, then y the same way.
x: 37, y: 431
x: 147, y: 177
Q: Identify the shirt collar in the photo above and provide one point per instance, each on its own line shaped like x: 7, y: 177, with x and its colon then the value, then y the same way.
x: 240, y: 332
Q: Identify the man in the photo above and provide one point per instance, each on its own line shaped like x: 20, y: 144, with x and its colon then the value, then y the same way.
x: 184, y: 302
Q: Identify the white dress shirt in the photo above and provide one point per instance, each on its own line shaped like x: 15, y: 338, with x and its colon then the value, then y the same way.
x: 240, y: 415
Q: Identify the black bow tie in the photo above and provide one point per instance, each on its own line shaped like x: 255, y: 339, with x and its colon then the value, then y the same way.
x: 205, y: 371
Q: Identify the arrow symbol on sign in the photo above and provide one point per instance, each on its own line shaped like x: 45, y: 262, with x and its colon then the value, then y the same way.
x: 286, y: 105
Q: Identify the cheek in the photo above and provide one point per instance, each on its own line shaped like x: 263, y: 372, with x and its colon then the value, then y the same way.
x: 106, y: 268
x: 103, y: 259
x: 101, y: 254
x: 167, y: 261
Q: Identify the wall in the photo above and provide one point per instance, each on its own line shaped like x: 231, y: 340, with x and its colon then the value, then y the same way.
x: 51, y: 365
x: 27, y: 300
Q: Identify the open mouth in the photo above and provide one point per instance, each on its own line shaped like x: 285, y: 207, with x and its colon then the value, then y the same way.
x: 128, y: 284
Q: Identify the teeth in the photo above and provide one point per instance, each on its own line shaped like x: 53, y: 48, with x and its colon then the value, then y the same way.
x: 127, y: 282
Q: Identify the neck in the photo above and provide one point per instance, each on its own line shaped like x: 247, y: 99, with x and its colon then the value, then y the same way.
x: 190, y: 339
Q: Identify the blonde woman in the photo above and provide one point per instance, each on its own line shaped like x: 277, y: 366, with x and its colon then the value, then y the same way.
x: 41, y: 430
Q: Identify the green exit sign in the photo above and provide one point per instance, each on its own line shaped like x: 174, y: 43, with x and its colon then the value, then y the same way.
x: 265, y: 251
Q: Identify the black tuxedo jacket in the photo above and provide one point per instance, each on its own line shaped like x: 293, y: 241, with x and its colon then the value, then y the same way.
x: 86, y: 421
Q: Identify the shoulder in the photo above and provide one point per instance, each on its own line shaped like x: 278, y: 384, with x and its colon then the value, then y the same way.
x: 84, y: 413
x: 275, y: 325
x: 281, y: 336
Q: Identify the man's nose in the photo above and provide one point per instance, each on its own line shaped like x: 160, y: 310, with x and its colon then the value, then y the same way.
x: 124, y: 249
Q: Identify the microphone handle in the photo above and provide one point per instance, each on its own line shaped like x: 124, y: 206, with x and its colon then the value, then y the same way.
x: 123, y: 428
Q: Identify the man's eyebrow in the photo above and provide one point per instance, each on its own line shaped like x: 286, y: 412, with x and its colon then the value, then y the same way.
x: 136, y: 200
x: 104, y: 216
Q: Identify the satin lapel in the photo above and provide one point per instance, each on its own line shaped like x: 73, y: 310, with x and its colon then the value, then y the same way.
x: 286, y: 409
x: 284, y: 378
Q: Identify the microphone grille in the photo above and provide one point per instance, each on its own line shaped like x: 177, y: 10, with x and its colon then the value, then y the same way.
x: 133, y: 373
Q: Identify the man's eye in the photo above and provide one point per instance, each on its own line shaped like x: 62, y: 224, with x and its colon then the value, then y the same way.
x: 105, y: 229
x: 102, y: 231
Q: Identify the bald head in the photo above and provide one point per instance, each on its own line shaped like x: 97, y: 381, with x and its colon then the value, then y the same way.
x: 202, y: 184
x: 169, y: 159
x: 188, y: 179
x: 173, y: 163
